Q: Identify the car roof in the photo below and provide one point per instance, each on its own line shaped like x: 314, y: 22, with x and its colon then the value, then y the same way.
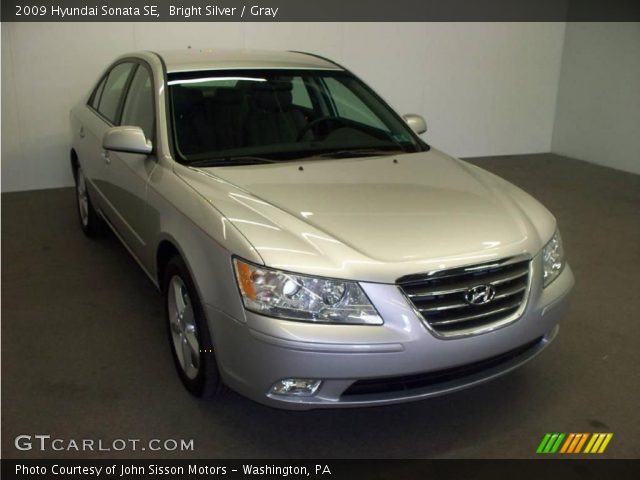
x: 192, y: 59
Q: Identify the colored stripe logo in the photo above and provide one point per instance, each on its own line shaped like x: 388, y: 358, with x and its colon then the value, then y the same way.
x: 574, y: 443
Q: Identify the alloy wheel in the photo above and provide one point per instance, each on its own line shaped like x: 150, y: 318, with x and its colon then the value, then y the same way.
x: 182, y: 323
x: 83, y: 198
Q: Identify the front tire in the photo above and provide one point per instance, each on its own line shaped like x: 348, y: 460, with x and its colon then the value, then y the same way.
x: 188, y: 333
x: 91, y: 223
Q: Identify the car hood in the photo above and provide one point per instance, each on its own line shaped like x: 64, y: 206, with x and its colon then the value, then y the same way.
x: 375, y: 218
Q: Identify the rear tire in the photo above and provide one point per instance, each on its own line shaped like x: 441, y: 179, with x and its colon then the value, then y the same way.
x: 189, y: 336
x: 90, y: 221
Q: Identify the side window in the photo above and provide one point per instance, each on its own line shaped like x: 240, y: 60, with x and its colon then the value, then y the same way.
x: 138, y: 107
x: 350, y: 106
x: 113, y: 90
x: 300, y: 93
x: 97, y: 93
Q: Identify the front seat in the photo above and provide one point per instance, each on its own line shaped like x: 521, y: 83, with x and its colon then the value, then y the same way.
x: 272, y: 118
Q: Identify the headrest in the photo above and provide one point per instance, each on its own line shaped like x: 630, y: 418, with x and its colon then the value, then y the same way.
x: 273, y: 96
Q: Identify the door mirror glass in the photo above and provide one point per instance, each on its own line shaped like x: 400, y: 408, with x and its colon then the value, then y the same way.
x: 416, y: 122
x: 126, y: 139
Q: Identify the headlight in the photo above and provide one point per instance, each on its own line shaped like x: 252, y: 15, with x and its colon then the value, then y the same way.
x: 552, y: 258
x: 299, y: 297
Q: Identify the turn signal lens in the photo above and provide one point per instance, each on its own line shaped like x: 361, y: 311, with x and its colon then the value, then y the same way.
x: 245, y: 281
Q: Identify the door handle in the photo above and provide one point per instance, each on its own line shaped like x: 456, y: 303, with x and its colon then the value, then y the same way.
x: 81, y: 133
x: 105, y: 157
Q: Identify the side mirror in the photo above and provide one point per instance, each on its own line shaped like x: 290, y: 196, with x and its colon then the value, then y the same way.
x: 126, y: 139
x: 415, y: 122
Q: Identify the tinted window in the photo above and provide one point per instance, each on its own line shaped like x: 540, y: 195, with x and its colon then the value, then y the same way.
x: 138, y: 107
x: 300, y: 94
x: 97, y: 93
x: 113, y: 90
x: 280, y: 115
x: 350, y: 106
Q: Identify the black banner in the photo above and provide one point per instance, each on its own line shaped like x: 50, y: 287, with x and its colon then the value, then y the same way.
x: 320, y: 469
x: 318, y: 11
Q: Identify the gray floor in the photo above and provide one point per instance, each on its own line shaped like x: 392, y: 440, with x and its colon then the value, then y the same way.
x: 84, y: 353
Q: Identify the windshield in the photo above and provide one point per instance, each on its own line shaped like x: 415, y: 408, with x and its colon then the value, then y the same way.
x: 232, y: 117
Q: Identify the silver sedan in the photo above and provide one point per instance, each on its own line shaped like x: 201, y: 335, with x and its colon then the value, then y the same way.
x: 312, y: 249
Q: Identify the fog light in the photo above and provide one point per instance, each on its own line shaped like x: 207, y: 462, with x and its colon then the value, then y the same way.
x: 299, y: 387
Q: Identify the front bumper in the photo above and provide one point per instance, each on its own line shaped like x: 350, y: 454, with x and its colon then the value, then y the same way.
x: 255, y: 352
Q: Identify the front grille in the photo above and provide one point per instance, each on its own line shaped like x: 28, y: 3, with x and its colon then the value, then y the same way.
x: 439, y: 296
x: 424, y: 380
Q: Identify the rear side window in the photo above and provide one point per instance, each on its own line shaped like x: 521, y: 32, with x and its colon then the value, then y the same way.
x: 113, y: 90
x: 138, y: 107
x: 97, y: 93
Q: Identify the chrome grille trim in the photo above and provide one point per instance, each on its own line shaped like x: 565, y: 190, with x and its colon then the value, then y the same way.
x: 508, y: 279
x: 444, y: 307
x: 455, y: 289
x: 511, y: 292
x: 439, y: 297
x: 479, y: 315
x: 432, y: 293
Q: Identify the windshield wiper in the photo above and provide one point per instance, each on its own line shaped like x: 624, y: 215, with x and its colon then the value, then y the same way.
x: 232, y: 161
x: 360, y: 152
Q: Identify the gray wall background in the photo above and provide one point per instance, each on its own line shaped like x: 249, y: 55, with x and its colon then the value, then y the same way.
x: 598, y: 113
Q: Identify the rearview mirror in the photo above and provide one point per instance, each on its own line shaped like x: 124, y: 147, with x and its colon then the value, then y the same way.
x: 126, y: 139
x: 416, y: 122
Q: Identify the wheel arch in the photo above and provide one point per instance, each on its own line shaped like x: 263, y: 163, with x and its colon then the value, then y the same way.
x: 167, y: 248
x: 165, y: 251
x: 74, y: 161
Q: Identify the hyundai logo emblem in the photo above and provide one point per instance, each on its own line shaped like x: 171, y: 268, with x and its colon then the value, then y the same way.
x: 480, y: 294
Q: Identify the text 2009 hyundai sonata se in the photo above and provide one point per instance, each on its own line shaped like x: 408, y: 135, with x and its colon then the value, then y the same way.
x: 312, y: 250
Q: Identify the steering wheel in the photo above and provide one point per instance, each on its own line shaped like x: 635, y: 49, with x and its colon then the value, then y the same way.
x: 317, y: 121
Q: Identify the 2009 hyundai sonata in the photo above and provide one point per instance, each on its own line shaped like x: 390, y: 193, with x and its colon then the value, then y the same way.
x: 312, y: 250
